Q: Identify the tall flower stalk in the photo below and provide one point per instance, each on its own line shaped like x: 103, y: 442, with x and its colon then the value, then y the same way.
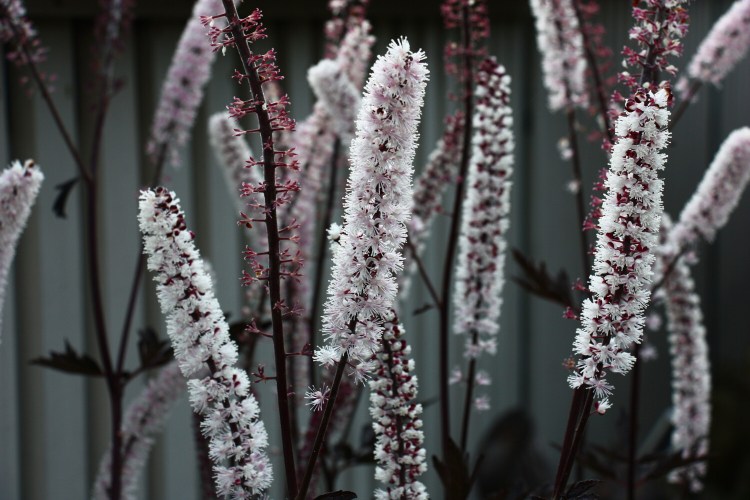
x: 377, y: 206
x: 470, y: 19
x: 200, y: 338
x: 19, y: 187
x: 281, y: 261
x: 480, y: 269
x: 691, y: 370
x: 619, y: 288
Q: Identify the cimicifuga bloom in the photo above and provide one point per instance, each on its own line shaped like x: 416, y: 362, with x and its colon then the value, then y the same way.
x: 691, y: 367
x: 659, y: 28
x: 337, y: 93
x: 144, y: 420
x: 397, y: 418
x: 18, y: 35
x: 480, y: 269
x: 183, y: 87
x: 560, y: 43
x: 201, y: 342
x: 376, y: 208
x: 718, y: 192
x: 724, y: 46
x: 19, y: 187
x: 627, y: 237
x: 430, y: 186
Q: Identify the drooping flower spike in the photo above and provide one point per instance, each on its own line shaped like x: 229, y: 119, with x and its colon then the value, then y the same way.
x: 480, y: 269
x: 560, y: 44
x: 201, y: 342
x: 724, y: 46
x: 397, y: 418
x: 19, y: 187
x: 627, y: 236
x: 144, y: 420
x: 376, y: 208
x: 183, y: 87
x: 718, y: 193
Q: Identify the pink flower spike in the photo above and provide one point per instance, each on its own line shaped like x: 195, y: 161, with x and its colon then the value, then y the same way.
x: 560, y: 43
x: 182, y: 91
x: 19, y: 188
x: 480, y: 268
x: 724, y: 46
x: 200, y: 339
x: 612, y: 319
x: 377, y: 206
x: 718, y: 193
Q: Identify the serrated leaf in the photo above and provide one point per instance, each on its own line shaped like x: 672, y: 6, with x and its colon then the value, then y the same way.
x: 337, y: 495
x: 70, y: 361
x: 61, y: 200
x: 537, y: 280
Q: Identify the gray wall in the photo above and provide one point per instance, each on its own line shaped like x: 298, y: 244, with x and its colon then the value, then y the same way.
x: 54, y: 427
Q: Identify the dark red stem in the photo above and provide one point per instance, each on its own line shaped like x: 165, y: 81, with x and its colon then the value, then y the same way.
x: 467, y: 72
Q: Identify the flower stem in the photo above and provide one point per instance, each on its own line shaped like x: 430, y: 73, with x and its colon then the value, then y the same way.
x: 467, y: 72
x: 323, y: 427
x: 274, y: 260
x: 321, y: 254
x: 633, y: 426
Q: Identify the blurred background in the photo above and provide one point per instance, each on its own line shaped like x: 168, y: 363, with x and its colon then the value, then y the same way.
x: 54, y: 426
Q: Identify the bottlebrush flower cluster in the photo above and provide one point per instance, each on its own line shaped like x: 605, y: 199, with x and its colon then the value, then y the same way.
x: 438, y: 173
x: 691, y: 370
x: 691, y: 375
x: 18, y: 34
x: 718, y: 192
x: 376, y: 208
x: 143, y: 422
x: 19, y: 187
x: 612, y: 319
x: 182, y: 93
x: 337, y: 93
x: 397, y: 418
x: 560, y: 43
x: 200, y: 338
x: 658, y: 32
x: 480, y: 270
x: 724, y: 46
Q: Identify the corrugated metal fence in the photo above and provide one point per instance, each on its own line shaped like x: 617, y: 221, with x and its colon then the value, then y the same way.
x: 54, y: 427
